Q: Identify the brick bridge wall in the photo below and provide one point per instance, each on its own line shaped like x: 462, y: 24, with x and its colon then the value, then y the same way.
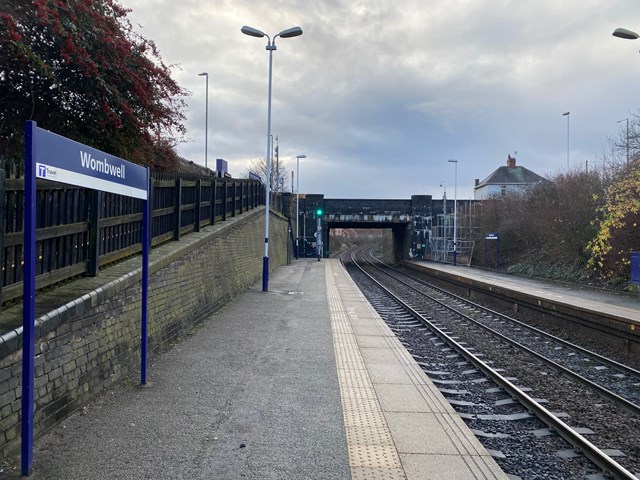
x: 92, y: 342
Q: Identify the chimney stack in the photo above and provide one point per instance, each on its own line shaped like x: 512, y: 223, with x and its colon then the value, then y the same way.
x: 511, y: 161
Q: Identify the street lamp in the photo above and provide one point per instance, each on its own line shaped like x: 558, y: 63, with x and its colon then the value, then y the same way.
x: 298, y: 157
x: 566, y: 114
x: 271, y: 46
x: 206, y: 115
x: 627, y: 120
x: 628, y: 35
x: 624, y: 33
x: 455, y: 212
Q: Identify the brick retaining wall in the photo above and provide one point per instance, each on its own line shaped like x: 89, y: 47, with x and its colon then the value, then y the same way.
x: 93, y: 341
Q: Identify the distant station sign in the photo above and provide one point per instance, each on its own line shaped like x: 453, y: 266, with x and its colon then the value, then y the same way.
x: 63, y: 160
x: 491, y: 236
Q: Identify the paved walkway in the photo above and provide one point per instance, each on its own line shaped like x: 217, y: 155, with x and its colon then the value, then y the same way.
x: 253, y: 394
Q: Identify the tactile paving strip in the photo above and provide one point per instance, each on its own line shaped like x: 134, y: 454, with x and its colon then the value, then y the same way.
x: 359, y: 473
x: 372, y: 453
x: 368, y: 436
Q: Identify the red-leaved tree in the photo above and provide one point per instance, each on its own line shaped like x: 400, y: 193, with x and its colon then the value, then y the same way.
x: 77, y: 68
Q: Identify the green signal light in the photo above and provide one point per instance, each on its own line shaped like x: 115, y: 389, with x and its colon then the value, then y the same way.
x: 319, y: 212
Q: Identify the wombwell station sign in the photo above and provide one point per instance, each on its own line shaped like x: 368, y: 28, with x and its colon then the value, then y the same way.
x: 51, y: 157
x: 66, y: 161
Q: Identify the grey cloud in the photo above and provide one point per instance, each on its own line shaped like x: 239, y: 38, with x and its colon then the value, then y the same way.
x: 380, y: 93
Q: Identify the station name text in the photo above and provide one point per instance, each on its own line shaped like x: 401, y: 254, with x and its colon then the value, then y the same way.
x: 103, y: 166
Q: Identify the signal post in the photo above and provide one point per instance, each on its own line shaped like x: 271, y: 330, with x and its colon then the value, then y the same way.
x: 319, y: 246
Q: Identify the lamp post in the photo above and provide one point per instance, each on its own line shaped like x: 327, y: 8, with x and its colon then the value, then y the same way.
x: 627, y: 120
x: 271, y: 46
x: 443, y: 184
x: 627, y: 35
x: 566, y: 114
x: 206, y: 115
x: 455, y: 212
x: 298, y: 157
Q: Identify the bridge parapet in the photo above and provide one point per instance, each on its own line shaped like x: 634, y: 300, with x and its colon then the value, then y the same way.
x: 360, y: 207
x: 390, y: 217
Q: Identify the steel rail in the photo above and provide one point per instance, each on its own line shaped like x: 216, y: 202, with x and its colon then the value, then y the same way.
x: 602, y: 391
x: 576, y: 348
x: 596, y: 455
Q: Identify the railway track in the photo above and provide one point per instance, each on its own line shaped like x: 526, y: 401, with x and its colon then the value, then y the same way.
x: 500, y: 347
x: 611, y: 379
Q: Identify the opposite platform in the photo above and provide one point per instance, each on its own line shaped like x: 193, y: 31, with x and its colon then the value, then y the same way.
x: 618, y: 305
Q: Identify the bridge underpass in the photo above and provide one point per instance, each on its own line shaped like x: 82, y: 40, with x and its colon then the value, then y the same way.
x: 408, y: 220
x: 421, y: 226
x: 399, y: 232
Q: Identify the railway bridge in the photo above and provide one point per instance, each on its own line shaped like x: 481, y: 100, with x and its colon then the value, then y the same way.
x: 411, y: 221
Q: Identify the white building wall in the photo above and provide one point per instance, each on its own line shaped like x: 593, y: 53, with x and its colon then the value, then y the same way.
x: 487, y: 191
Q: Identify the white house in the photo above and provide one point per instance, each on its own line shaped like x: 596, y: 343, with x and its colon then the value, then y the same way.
x: 505, y: 180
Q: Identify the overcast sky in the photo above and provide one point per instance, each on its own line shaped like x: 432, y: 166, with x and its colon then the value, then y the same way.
x: 379, y: 94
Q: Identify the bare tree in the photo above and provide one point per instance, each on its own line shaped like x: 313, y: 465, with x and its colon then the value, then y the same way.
x: 544, y: 231
x: 259, y: 167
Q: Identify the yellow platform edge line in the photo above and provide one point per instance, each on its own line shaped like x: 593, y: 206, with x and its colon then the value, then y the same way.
x: 370, y: 444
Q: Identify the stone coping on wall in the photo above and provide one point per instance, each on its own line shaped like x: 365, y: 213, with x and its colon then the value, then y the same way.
x: 58, y: 305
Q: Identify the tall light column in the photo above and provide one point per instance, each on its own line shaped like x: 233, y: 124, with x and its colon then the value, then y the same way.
x: 567, y: 114
x: 455, y: 212
x: 277, y: 166
x: 271, y: 46
x: 206, y: 116
x: 443, y: 184
x: 298, y: 157
x: 619, y: 121
x: 627, y: 35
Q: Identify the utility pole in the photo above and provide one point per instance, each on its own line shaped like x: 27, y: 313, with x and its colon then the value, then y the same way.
x: 627, y: 142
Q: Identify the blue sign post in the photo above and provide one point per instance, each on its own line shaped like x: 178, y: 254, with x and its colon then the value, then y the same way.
x: 492, y: 236
x: 635, y: 268
x: 52, y: 157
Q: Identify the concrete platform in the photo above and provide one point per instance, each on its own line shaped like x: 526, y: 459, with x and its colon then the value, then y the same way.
x: 398, y: 424
x: 624, y: 306
x: 302, y: 382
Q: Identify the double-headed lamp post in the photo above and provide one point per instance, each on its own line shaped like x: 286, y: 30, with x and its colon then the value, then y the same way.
x: 206, y: 115
x: 271, y: 46
x: 298, y: 157
x: 455, y: 212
